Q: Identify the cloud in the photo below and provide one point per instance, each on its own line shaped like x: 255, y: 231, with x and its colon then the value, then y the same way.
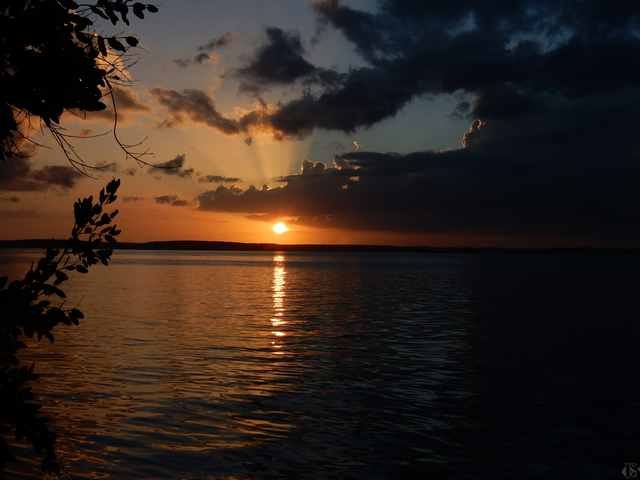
x: 57, y: 175
x: 571, y: 178
x: 414, y: 48
x: 182, y: 62
x: 10, y: 199
x: 218, y: 179
x: 127, y: 103
x: 172, y: 200
x: 523, y: 49
x: 174, y: 167
x: 127, y: 100
x: 132, y: 199
x: 216, y: 43
x: 206, y: 52
x: 17, y: 174
x: 550, y: 90
x: 279, y: 61
x: 197, y: 106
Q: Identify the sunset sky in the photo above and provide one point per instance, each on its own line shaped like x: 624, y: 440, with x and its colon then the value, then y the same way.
x: 395, y: 122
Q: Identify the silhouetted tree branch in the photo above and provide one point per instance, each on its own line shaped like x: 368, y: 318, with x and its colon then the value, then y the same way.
x: 34, y: 306
x: 52, y: 60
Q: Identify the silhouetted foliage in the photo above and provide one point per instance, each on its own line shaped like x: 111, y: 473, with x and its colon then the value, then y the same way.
x: 51, y: 60
x: 34, y: 306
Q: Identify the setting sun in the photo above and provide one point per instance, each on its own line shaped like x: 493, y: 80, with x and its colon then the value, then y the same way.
x: 280, y: 228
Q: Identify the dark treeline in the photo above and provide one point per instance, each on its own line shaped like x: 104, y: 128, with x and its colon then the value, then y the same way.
x: 275, y: 247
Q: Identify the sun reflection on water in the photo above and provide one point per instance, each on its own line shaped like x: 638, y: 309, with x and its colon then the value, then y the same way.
x: 278, y: 293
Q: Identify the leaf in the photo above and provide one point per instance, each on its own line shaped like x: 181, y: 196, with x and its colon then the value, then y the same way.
x: 132, y: 41
x: 104, y: 220
x: 98, y: 12
x: 109, y: 11
x: 152, y: 8
x: 70, y: 4
x: 112, y: 186
x: 75, y: 316
x: 60, y: 277
x: 116, y: 45
x: 103, y: 51
x: 51, y: 290
x: 81, y: 269
x: 138, y: 10
x: 83, y: 37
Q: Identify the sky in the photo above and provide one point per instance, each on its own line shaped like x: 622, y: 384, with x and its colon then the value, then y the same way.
x: 448, y: 123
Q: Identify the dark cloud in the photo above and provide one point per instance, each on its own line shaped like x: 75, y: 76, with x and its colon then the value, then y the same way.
x: 205, y: 51
x: 57, y: 175
x: 198, y: 107
x: 201, y: 58
x: 573, y: 178
x: 10, y: 199
x: 500, y: 54
x: 172, y: 200
x: 219, y: 179
x: 17, y: 174
x: 414, y: 48
x: 550, y: 89
x: 173, y: 167
x: 279, y: 61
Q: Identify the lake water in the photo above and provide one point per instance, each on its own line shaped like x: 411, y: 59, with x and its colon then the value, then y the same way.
x: 198, y: 365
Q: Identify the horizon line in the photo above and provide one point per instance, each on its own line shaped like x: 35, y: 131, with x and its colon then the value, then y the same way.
x: 256, y: 246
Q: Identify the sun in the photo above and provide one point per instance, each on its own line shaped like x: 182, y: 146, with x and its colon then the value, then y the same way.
x: 279, y: 228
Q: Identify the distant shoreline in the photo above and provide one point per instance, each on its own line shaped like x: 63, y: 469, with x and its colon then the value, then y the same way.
x: 182, y: 245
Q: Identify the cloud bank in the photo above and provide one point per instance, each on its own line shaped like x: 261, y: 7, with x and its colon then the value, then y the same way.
x: 550, y: 90
x: 17, y: 174
x: 571, y: 178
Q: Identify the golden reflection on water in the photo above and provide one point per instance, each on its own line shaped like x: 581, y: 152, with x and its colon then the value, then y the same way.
x: 278, y: 289
x: 193, y: 362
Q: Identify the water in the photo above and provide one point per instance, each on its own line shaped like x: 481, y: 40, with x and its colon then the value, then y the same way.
x: 239, y: 365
